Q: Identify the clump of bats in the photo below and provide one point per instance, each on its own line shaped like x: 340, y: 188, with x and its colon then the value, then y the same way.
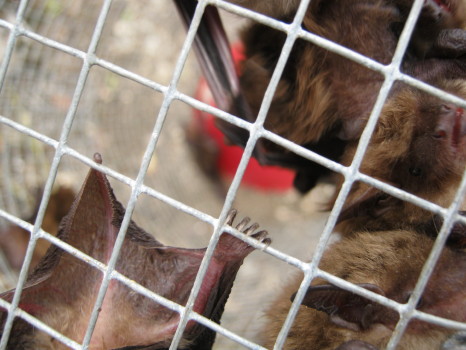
x: 322, y: 103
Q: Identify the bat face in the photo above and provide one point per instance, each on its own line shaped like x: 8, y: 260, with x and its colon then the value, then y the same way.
x: 432, y: 143
x: 387, y: 263
x: 418, y: 146
x: 62, y: 289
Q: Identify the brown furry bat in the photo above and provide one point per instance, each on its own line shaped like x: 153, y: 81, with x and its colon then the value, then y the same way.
x: 323, y: 99
x: 387, y: 263
x: 14, y: 239
x: 62, y: 289
x: 419, y: 145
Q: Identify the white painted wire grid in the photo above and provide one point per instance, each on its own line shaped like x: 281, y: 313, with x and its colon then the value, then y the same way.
x: 170, y: 92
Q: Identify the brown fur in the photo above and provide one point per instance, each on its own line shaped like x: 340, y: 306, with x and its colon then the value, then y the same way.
x: 391, y: 260
x: 404, y: 151
x: 305, y: 105
x: 319, y: 90
x: 323, y: 97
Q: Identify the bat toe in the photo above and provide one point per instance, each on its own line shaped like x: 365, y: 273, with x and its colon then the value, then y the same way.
x: 231, y: 216
x: 250, y: 230
x: 261, y: 236
x: 243, y: 223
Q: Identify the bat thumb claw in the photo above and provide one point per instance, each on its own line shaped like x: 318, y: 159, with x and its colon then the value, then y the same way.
x: 98, y: 158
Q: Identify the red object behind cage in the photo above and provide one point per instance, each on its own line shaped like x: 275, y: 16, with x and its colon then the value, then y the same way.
x: 256, y: 175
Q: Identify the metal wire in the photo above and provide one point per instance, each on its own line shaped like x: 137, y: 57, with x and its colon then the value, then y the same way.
x: 170, y: 92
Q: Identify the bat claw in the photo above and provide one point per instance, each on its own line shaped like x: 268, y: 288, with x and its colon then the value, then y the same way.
x: 241, y: 226
x: 98, y: 158
x: 261, y: 236
x: 231, y: 217
x: 250, y: 230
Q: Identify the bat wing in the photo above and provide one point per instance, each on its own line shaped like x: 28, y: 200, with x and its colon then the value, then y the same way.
x: 170, y: 272
x: 366, y: 201
x: 63, y: 287
x: 347, y: 309
x: 213, y: 51
x: 182, y: 266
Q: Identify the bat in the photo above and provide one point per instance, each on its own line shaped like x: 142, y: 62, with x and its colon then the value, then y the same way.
x: 318, y: 104
x: 387, y: 263
x: 419, y: 145
x: 14, y: 239
x: 62, y: 289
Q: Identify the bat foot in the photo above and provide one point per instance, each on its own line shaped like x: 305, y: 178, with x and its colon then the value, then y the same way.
x: 231, y: 245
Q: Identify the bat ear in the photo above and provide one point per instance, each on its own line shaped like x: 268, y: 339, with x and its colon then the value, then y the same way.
x: 346, y: 309
x: 369, y: 202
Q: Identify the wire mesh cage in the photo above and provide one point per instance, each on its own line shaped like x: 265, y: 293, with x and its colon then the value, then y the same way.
x: 118, y: 78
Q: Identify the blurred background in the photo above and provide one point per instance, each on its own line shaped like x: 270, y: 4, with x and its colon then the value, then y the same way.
x: 115, y: 117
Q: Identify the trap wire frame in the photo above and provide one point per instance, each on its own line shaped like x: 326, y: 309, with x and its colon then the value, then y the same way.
x: 170, y: 93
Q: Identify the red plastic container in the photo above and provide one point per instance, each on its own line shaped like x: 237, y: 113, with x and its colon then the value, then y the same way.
x: 262, y: 177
